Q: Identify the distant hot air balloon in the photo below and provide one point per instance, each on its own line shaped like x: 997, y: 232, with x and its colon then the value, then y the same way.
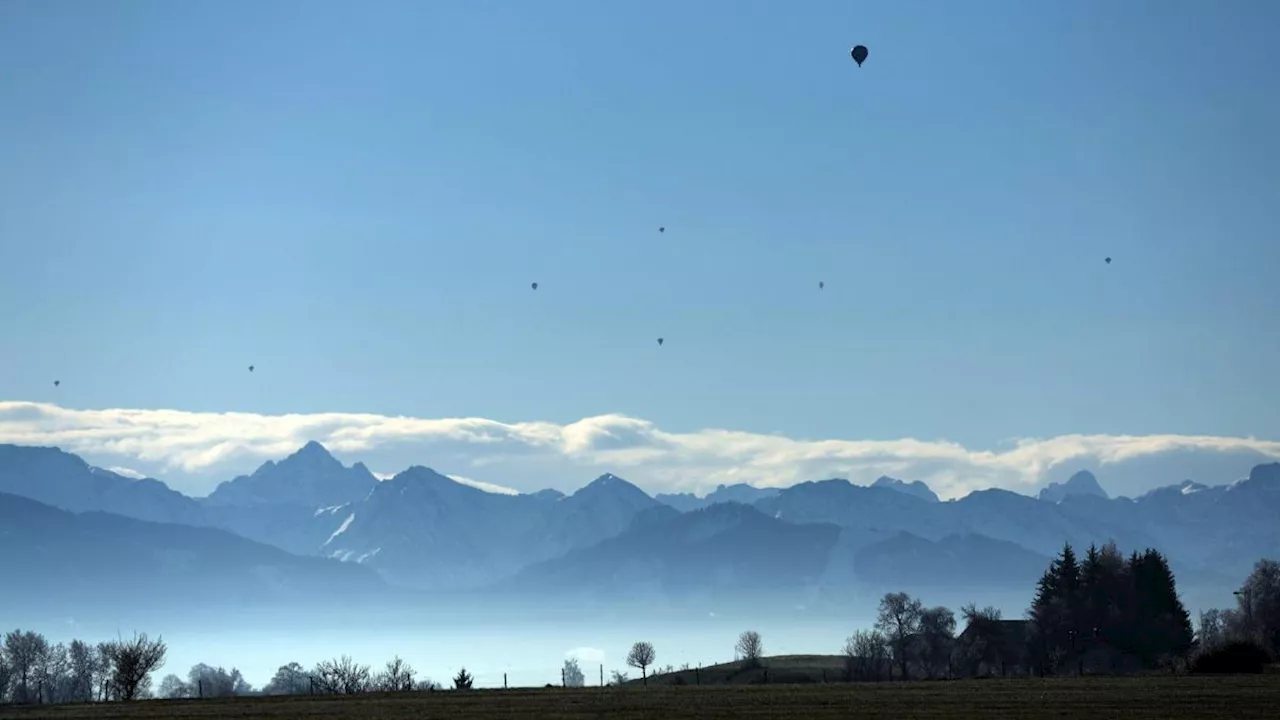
x: 662, y: 229
x: 1108, y: 261
x: 535, y: 286
x: 250, y: 368
x: 821, y: 284
x: 659, y: 341
x: 56, y: 383
x: 859, y: 54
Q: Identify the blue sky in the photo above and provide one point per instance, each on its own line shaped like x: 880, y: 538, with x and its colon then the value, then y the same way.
x: 355, y: 197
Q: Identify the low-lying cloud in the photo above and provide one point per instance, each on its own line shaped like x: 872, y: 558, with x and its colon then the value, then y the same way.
x: 191, y: 449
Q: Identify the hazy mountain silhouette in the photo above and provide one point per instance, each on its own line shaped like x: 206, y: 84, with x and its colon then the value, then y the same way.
x: 310, y: 477
x: 63, y: 480
x: 93, y: 559
x: 971, y: 560
x: 916, y: 488
x: 723, y: 549
x: 1081, y: 483
x: 421, y: 529
x: 426, y: 530
x: 739, y: 493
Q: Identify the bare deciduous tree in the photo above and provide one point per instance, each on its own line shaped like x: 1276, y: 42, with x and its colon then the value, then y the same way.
x: 172, y: 688
x: 289, y: 679
x: 6, y: 674
x: 899, y: 621
x: 397, y: 676
x: 102, y: 672
x: 937, y: 640
x: 81, y: 658
x: 1257, y: 615
x: 984, y: 646
x: 618, y: 678
x: 427, y: 685
x: 572, y: 673
x: 342, y: 676
x: 25, y: 650
x: 216, y: 682
x: 131, y: 663
x: 53, y: 675
x: 750, y: 648
x: 641, y: 657
x: 866, y: 654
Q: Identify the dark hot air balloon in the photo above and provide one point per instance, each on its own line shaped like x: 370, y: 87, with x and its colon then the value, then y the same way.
x: 535, y: 286
x: 56, y: 383
x: 659, y: 341
x: 250, y: 368
x: 1108, y: 261
x: 821, y: 284
x: 859, y: 54
x: 662, y: 229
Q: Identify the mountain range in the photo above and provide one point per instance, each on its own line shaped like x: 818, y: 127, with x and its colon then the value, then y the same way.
x: 314, y: 521
x: 53, y: 558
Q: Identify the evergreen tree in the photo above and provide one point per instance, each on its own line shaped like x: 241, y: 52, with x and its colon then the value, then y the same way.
x: 1162, y: 625
x: 1057, y: 595
x: 1132, y: 605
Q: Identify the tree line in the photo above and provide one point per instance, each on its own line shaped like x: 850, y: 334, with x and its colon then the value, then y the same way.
x: 1103, y: 613
x: 32, y: 670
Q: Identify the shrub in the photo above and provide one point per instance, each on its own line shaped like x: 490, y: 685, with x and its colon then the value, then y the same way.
x: 1236, y: 657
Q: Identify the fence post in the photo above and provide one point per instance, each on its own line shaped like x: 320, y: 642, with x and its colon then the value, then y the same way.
x: 200, y: 688
x: 562, y: 681
x: 697, y: 675
x: 601, y: 674
x: 504, y: 681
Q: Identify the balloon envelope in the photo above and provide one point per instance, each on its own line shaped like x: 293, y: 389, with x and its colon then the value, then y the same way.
x: 859, y: 54
x: 535, y: 286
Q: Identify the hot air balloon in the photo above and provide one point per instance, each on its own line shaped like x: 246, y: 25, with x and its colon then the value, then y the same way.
x: 250, y: 368
x: 662, y: 229
x: 1108, y: 261
x: 56, y: 383
x: 859, y: 54
x: 659, y: 341
x: 821, y: 284
x: 535, y: 286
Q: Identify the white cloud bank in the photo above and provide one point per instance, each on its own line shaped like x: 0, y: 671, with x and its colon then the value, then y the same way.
x: 174, y: 441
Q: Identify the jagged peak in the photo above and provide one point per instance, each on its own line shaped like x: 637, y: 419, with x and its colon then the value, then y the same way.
x: 1082, y: 482
x: 313, y: 451
x: 916, y: 488
x: 1266, y: 472
x: 420, y: 473
x: 607, y: 480
x: 609, y: 484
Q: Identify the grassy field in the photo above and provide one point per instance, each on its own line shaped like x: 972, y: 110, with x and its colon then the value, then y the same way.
x: 780, y: 669
x: 1092, y: 698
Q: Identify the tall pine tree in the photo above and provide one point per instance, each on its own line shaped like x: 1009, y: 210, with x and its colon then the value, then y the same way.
x: 1130, y: 605
x: 1051, y: 613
